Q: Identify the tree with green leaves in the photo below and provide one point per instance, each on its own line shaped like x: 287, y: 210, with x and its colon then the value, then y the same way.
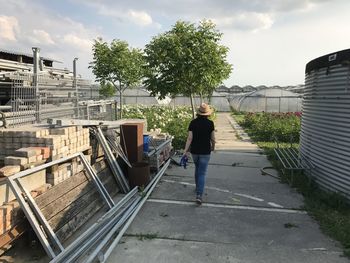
x: 107, y: 90
x: 186, y: 60
x: 117, y: 64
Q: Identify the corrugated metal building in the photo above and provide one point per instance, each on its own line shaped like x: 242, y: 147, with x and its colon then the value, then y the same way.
x: 325, y: 129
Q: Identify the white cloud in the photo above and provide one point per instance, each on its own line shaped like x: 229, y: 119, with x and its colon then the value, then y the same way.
x: 41, y: 37
x: 79, y: 43
x: 140, y: 17
x: 137, y: 17
x: 8, y: 27
x: 245, y: 21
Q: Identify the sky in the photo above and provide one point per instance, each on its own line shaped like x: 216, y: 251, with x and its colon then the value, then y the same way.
x: 270, y: 41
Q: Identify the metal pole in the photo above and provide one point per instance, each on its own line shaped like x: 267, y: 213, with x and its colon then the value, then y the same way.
x: 72, y: 250
x: 75, y: 86
x: 279, y: 105
x: 36, y: 60
x: 107, y: 237
x: 31, y: 218
x: 100, y: 187
x: 40, y: 217
x: 115, y: 168
x: 148, y: 189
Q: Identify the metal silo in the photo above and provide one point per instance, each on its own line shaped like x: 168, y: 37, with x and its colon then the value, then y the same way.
x: 325, y: 128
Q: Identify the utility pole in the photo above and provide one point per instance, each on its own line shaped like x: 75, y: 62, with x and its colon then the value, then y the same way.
x: 75, y: 86
x: 36, y: 61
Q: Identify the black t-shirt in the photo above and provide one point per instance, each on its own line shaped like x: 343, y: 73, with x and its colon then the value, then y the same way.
x: 201, y: 128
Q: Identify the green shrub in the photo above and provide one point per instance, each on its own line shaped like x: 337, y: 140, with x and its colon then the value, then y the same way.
x: 283, y: 127
x: 170, y: 120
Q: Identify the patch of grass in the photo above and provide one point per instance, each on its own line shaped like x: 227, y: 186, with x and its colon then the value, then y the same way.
x: 239, y: 117
x: 330, y: 210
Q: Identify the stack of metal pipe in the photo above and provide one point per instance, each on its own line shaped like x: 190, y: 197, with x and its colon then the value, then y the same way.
x: 112, y: 161
x: 98, y: 242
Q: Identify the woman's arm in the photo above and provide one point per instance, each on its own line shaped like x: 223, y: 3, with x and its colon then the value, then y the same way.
x: 212, y: 140
x: 188, y: 143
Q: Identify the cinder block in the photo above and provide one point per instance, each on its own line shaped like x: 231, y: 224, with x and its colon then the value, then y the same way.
x: 53, y: 152
x: 16, y: 145
x: 33, y: 140
x: 8, y: 135
x: 26, y: 152
x: 5, y: 218
x: 32, y: 159
x: 8, y: 145
x: 59, y: 131
x: 52, y: 139
x: 44, y: 132
x: 36, y: 149
x: 45, y: 151
x: 9, y: 170
x: 32, y: 134
x: 14, y: 160
x: 64, y: 150
x: 40, y: 141
x: 8, y: 152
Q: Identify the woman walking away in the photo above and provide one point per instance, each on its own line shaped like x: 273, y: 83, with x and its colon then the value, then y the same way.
x: 200, y: 142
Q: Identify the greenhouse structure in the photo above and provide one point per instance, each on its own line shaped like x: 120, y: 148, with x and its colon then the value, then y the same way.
x: 143, y: 97
x: 218, y: 101
x: 266, y: 100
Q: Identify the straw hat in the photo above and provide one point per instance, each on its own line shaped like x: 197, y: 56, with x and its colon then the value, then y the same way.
x: 204, y: 110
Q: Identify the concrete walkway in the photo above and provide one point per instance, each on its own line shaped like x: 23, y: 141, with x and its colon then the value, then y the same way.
x: 245, y: 217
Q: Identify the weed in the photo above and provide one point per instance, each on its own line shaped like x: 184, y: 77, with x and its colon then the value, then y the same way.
x: 290, y: 225
x: 164, y: 215
x: 149, y: 236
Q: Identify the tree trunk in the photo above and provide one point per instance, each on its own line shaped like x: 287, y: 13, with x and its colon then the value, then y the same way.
x: 120, y: 104
x: 201, y: 98
x: 193, y: 106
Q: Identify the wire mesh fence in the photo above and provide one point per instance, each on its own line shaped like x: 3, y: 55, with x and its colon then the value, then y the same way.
x: 35, y: 99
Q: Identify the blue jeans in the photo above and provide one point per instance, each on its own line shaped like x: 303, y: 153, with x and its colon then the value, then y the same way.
x: 201, y: 162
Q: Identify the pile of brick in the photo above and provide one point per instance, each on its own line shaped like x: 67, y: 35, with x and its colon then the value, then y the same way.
x: 23, y: 159
x: 26, y: 147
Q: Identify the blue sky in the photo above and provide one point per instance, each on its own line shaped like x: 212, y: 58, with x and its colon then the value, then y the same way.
x: 270, y: 41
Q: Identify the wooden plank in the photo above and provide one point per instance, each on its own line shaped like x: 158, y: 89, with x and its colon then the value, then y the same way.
x: 71, y: 196
x: 64, y: 201
x: 14, y: 233
x: 79, y: 220
x: 76, y: 207
x: 69, y: 205
x: 59, y: 190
